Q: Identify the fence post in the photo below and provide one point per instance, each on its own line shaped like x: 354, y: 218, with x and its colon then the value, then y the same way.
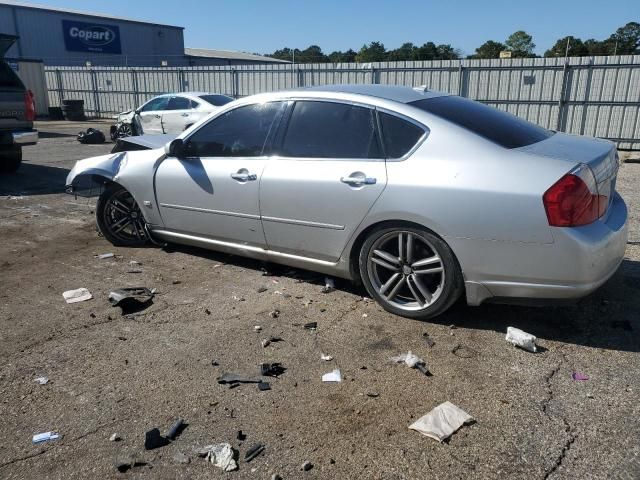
x: 562, y: 117
x: 462, y: 72
x: 60, y: 87
x: 374, y: 74
x: 136, y: 91
x: 300, y: 77
x: 585, y: 102
x: 234, y: 83
x: 181, y: 79
x: 94, y: 87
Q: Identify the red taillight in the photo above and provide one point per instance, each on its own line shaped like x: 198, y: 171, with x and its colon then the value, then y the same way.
x: 573, y: 200
x: 29, y: 106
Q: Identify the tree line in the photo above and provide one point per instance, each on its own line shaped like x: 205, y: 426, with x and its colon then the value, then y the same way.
x: 624, y: 41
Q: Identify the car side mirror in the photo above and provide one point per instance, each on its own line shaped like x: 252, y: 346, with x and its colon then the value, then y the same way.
x: 175, y: 148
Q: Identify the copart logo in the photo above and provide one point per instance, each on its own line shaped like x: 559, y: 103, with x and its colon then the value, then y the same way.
x: 93, y: 36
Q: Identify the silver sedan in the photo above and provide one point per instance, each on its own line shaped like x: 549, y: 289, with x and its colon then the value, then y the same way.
x: 422, y: 196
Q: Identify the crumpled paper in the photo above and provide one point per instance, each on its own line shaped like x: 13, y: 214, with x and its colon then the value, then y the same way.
x: 441, y: 422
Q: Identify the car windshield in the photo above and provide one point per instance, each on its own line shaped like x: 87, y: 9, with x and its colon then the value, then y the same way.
x: 500, y: 127
x: 216, y: 100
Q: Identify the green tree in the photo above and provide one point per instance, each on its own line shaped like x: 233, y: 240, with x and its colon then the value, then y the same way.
x: 406, y: 52
x: 343, y: 57
x: 598, y: 47
x: 428, y: 51
x: 627, y: 39
x: 447, y: 52
x: 489, y: 49
x: 521, y: 44
x: 283, y: 54
x: 311, y: 54
x: 559, y: 49
x: 373, y: 52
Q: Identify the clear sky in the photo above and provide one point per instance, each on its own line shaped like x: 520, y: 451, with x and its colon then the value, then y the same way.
x: 262, y: 26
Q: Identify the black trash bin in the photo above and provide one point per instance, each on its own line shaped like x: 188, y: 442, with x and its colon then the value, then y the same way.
x: 73, y: 110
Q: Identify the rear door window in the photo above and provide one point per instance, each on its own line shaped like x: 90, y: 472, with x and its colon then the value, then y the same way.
x: 399, y: 135
x: 216, y: 100
x: 331, y: 130
x: 495, y: 125
x: 179, y: 103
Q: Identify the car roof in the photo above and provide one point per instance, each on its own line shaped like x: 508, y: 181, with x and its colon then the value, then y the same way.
x: 395, y: 93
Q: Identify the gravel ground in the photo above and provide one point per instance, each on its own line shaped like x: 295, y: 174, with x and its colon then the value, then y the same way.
x: 114, y: 374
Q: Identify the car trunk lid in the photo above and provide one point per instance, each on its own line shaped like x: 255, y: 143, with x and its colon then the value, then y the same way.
x: 600, y: 155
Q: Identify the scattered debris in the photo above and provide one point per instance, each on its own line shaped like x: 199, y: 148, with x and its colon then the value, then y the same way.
x: 102, y: 256
x: 174, y: 282
x: 78, y: 295
x: 463, y: 352
x: 275, y: 476
x: 114, y: 437
x: 126, y: 463
x: 181, y: 458
x: 234, y: 378
x: 176, y: 429
x: 45, y: 437
x: 274, y: 313
x: 41, y: 380
x: 272, y: 369
x: 264, y: 386
x: 153, y: 439
x: 241, y: 436
x: 265, y: 343
x: 428, y: 340
x: 253, y: 452
x: 277, y: 292
x: 238, y: 299
x: 262, y: 289
x: 257, y: 328
x: 329, y: 285
x: 333, y: 376
x: 311, y: 325
x: 441, y: 422
x: 214, y: 363
x: 364, y: 315
x: 133, y: 263
x: 373, y: 394
x: 135, y: 270
x: 412, y: 361
x: 326, y: 358
x: 306, y: 466
x: 579, y: 377
x: 221, y: 455
x: 207, y: 311
x: 521, y: 339
x: 131, y: 299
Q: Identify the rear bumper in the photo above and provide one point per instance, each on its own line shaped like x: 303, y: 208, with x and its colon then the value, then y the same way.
x: 26, y: 137
x: 579, y: 261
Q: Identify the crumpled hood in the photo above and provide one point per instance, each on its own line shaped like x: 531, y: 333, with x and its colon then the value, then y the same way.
x: 107, y: 166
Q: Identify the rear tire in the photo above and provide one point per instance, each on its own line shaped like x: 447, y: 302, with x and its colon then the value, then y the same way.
x: 119, y: 218
x: 410, y: 271
x: 10, y: 159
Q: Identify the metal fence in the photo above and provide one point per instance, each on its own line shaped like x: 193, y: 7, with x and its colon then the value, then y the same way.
x: 597, y: 96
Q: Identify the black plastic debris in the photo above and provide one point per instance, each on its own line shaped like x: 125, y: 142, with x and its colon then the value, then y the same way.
x: 153, y: 439
x: 264, y: 386
x: 131, y: 300
x: 176, y: 429
x: 241, y: 436
x: 234, y: 378
x: 91, y: 136
x: 272, y: 369
x: 311, y: 325
x: 127, y: 463
x: 253, y: 452
x: 306, y: 466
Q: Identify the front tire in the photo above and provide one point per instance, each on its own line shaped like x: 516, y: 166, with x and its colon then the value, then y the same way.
x: 119, y: 218
x: 410, y: 271
x: 10, y: 159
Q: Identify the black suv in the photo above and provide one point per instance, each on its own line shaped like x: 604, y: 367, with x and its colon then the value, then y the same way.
x: 17, y: 112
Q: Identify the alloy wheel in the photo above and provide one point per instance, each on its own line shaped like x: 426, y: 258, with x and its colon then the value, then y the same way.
x: 406, y: 270
x: 123, y: 219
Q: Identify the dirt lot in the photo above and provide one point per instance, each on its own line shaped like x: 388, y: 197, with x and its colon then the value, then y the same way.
x: 113, y: 374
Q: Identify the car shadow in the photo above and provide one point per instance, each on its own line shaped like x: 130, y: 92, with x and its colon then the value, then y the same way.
x: 34, y: 179
x: 607, y: 319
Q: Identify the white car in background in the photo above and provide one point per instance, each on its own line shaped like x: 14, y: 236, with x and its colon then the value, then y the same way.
x: 169, y: 113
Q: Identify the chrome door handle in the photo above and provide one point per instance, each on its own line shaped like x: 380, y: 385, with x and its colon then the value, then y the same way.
x: 244, y: 177
x: 185, y: 114
x: 358, y: 180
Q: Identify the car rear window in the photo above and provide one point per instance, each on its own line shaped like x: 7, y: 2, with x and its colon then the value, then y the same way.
x: 8, y: 78
x: 399, y: 135
x: 495, y: 125
x: 216, y: 100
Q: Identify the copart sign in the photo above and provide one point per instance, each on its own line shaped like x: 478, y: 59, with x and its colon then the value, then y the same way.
x: 91, y: 37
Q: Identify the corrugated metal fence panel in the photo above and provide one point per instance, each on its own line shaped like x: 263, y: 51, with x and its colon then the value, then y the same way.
x: 597, y: 96
x: 32, y: 75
